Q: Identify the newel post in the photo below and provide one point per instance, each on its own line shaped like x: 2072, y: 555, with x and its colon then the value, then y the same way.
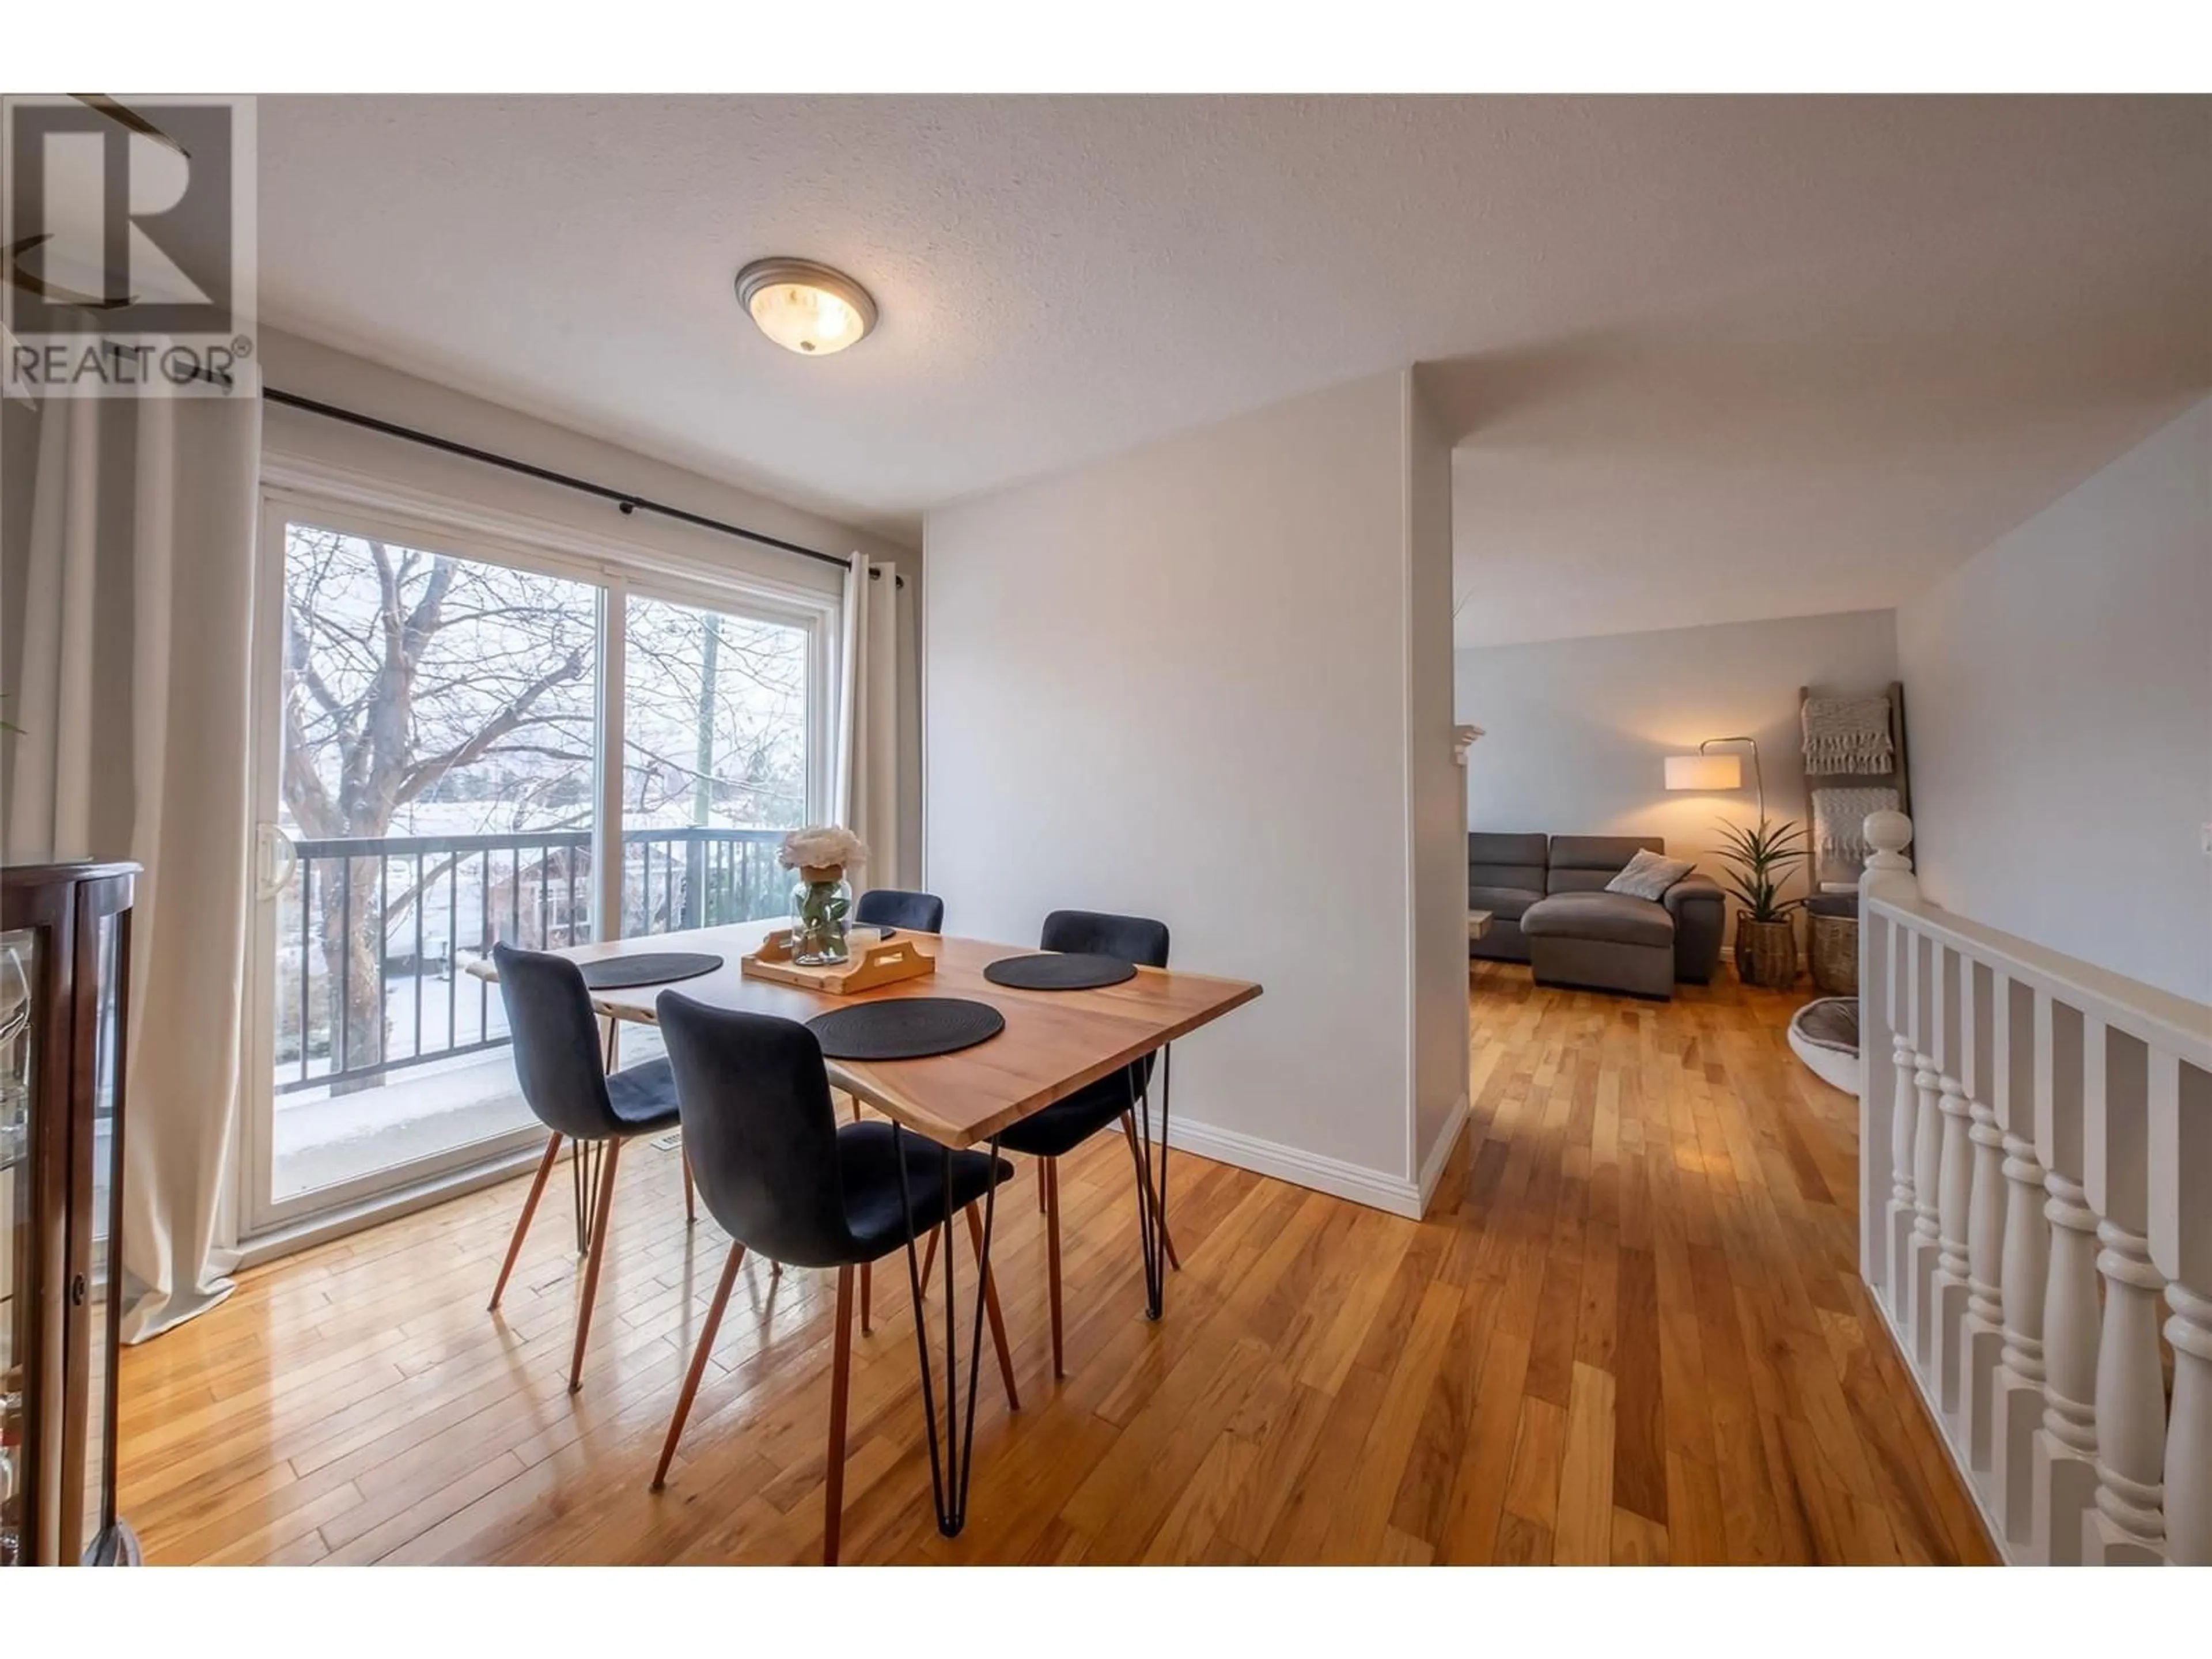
x: 1887, y: 1099
x: 1888, y: 871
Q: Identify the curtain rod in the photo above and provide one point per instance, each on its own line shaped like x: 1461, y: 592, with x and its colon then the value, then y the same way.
x: 623, y: 500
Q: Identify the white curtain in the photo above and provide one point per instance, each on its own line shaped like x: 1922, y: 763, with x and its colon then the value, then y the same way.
x: 875, y: 782
x: 131, y: 580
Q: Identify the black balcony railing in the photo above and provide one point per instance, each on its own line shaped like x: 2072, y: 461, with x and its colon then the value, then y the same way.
x: 374, y: 933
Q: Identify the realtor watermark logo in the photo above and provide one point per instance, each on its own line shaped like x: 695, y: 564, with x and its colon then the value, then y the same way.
x: 126, y: 246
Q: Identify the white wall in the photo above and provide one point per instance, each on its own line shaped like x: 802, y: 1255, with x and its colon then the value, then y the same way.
x: 1579, y: 730
x: 1177, y: 683
x: 1436, y: 797
x: 2059, y: 688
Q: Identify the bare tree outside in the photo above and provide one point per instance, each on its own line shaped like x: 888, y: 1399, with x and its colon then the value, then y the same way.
x: 716, y: 726
x: 425, y: 696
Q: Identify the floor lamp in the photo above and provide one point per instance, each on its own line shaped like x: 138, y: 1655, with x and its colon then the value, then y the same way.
x: 1706, y: 770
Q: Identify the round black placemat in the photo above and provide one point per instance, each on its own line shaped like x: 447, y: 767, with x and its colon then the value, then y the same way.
x: 648, y: 967
x: 905, y: 1028
x: 1058, y: 970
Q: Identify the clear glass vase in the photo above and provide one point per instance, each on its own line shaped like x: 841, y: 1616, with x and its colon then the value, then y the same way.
x: 821, y: 902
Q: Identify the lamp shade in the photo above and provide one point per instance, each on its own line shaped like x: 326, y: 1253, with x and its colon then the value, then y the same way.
x: 1704, y: 772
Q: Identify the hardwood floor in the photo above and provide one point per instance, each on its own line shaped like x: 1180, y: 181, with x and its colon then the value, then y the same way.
x: 1630, y: 1330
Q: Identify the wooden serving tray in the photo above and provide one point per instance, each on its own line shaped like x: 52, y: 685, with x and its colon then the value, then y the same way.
x: 885, y: 962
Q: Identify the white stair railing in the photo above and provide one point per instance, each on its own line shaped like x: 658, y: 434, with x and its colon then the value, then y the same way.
x: 2035, y: 1194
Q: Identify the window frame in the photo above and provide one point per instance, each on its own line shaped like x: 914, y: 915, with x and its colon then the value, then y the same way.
x: 343, y: 500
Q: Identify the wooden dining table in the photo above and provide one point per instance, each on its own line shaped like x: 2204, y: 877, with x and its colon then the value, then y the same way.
x: 1054, y: 1043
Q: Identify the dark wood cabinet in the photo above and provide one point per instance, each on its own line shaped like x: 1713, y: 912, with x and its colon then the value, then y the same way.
x: 64, y: 989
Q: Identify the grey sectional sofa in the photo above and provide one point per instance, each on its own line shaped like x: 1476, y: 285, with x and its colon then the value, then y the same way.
x: 1547, y: 897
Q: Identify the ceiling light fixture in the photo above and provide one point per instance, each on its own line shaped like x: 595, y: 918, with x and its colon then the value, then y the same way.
x: 805, y: 307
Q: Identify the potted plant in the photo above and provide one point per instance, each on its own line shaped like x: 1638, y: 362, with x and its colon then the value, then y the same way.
x: 1759, y: 862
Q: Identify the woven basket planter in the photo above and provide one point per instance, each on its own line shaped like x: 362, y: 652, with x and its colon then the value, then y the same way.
x: 1765, y: 951
x: 1835, y: 953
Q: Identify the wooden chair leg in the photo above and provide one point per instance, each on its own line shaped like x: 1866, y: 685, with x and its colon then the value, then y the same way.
x: 928, y: 1258
x: 991, y: 1308
x: 691, y: 1201
x: 1044, y: 1164
x: 1151, y: 1198
x: 840, y: 1373
x: 868, y: 1269
x: 698, y: 1363
x: 1052, y: 1255
x: 522, y: 1221
x: 603, y: 1208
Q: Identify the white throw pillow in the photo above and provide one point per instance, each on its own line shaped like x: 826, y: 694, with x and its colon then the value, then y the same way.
x: 1649, y: 875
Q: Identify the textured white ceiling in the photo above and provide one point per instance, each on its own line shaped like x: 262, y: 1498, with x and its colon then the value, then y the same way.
x: 1710, y: 359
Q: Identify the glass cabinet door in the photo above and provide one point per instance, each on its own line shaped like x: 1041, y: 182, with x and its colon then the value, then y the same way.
x: 103, y: 1274
x: 65, y: 985
x: 19, y: 973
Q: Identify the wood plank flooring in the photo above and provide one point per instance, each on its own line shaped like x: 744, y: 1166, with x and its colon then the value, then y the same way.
x: 1629, y: 1331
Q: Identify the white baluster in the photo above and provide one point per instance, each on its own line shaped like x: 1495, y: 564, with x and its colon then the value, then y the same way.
x: 2181, y: 1125
x: 1902, y: 1207
x: 2189, y: 1434
x: 2018, y: 1386
x: 1954, y: 1197
x: 2129, y: 1527
x: 1954, y: 1182
x: 1980, y: 989
x: 2062, y: 1456
x: 2066, y: 1447
x: 1986, y: 1225
x: 1926, y: 1183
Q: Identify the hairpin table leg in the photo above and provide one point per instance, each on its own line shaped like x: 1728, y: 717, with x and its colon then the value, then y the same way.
x: 950, y: 1453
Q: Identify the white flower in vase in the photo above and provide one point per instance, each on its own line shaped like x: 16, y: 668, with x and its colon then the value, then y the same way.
x: 822, y: 900
x: 823, y: 847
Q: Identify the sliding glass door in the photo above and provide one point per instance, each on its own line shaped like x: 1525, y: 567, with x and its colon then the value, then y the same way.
x: 440, y: 729
x: 716, y: 762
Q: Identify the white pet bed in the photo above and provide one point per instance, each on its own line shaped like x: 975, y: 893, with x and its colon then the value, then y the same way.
x: 1826, y: 1036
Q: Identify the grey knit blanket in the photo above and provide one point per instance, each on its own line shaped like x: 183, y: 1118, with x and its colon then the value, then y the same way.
x: 1840, y: 818
x: 1848, y: 734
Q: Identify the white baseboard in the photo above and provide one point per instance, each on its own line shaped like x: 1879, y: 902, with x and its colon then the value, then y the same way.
x: 1332, y: 1175
x: 1433, y: 1170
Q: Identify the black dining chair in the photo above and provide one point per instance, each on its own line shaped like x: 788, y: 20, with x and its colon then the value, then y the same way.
x: 1062, y: 1126
x: 887, y: 907
x: 782, y: 1177
x: 566, y: 1084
